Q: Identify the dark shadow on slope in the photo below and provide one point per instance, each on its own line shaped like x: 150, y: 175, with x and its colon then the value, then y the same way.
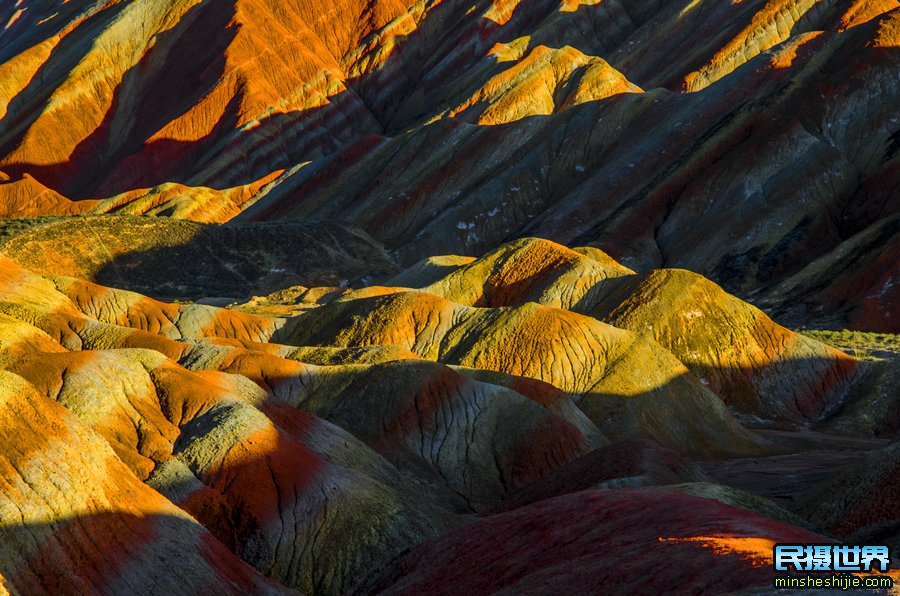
x: 179, y: 259
x: 20, y: 35
x: 257, y: 494
x: 702, y: 30
x: 114, y: 552
x: 24, y: 109
x: 631, y: 204
x: 835, y: 292
x: 415, y: 64
x: 598, y: 542
x: 296, y: 498
x: 275, y: 143
x: 289, y: 501
x: 102, y: 165
x: 143, y: 103
x: 630, y: 463
x: 167, y: 82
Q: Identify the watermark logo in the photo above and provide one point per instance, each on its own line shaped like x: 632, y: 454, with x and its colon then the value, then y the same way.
x: 831, y: 557
x: 832, y: 566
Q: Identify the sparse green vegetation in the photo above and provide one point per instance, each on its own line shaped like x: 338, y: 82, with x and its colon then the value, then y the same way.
x: 181, y: 259
x: 12, y: 227
x: 860, y: 344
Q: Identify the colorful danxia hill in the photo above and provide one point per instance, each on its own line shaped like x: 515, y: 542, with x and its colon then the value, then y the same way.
x: 443, y: 297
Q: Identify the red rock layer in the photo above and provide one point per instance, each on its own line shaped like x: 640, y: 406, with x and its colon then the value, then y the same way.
x: 77, y: 520
x: 598, y: 541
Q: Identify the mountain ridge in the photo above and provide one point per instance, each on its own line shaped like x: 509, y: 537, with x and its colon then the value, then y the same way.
x: 443, y: 296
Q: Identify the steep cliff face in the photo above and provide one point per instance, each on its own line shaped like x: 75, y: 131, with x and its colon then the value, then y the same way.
x: 744, y: 141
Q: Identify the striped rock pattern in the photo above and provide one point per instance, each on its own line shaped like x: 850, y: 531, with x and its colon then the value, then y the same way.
x: 308, y: 451
x: 753, y: 142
